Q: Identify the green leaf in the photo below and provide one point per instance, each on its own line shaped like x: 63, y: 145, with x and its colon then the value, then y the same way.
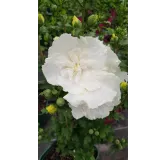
x: 82, y: 123
x: 116, y: 116
x: 121, y: 117
x: 92, y: 34
x: 68, y: 25
x: 87, y: 140
x: 42, y: 82
x: 44, y: 111
x: 57, y: 149
x: 66, y: 132
x: 123, y: 42
x: 110, y: 31
x: 59, y: 23
x: 92, y: 158
x: 102, y: 135
x: 45, y: 86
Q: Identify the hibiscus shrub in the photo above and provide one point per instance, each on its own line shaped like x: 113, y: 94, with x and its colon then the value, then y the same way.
x: 85, y: 72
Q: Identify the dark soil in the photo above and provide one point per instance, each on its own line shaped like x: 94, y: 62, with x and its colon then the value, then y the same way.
x: 53, y: 155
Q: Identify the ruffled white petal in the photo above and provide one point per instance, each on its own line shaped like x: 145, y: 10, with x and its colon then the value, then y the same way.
x: 62, y: 45
x: 50, y: 74
x: 100, y: 112
x: 89, y: 71
x: 92, y: 99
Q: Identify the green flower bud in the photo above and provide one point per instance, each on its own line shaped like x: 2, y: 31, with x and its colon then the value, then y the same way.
x: 39, y: 137
x: 91, y: 131
x: 46, y: 37
x: 96, y: 133
x: 117, y: 142
x: 40, y: 18
x: 76, y: 22
x: 92, y: 20
x: 54, y: 92
x: 60, y: 102
x: 41, y: 130
x: 114, y: 37
x: 123, y: 85
x: 47, y: 93
x: 120, y: 147
x: 123, y: 140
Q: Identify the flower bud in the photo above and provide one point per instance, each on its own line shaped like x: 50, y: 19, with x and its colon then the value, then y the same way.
x: 60, y: 102
x: 123, y: 85
x: 123, y: 140
x: 46, y: 37
x: 92, y: 20
x: 96, y: 133
x: 76, y: 22
x: 117, y: 142
x: 41, y: 130
x: 47, y: 93
x: 39, y: 137
x: 40, y: 18
x: 51, y: 109
x: 54, y: 92
x: 120, y: 147
x: 114, y: 37
x: 91, y: 131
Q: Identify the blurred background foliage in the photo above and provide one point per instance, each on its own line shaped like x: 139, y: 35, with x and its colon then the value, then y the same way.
x: 106, y: 19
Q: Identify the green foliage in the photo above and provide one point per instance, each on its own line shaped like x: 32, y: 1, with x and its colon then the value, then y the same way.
x: 119, y: 144
x: 78, y: 137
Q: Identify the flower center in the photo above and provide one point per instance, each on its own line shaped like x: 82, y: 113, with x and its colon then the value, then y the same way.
x: 73, y: 70
x: 77, y: 70
x: 76, y: 67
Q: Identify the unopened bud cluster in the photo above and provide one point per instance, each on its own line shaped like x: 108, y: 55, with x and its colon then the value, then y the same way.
x: 76, y: 22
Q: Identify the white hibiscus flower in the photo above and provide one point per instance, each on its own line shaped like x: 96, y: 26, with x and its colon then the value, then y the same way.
x: 89, y: 71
